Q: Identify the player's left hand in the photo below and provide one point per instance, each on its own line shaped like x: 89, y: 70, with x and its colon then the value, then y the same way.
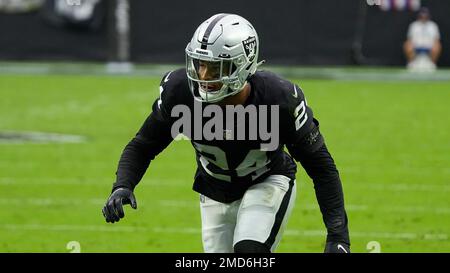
x: 336, y: 247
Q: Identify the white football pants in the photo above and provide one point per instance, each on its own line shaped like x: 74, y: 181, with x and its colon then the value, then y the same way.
x: 261, y: 215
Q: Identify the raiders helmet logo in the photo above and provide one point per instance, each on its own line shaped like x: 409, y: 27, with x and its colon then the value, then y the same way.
x: 250, y: 47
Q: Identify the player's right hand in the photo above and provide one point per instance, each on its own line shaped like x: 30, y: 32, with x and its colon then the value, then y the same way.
x: 113, y: 209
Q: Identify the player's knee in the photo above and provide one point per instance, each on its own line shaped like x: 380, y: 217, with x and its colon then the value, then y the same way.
x: 250, y: 246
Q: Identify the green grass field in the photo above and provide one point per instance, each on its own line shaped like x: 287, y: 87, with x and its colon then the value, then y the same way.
x: 391, y: 143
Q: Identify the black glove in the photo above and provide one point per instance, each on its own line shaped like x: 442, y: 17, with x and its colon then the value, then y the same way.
x: 333, y: 247
x: 113, y: 209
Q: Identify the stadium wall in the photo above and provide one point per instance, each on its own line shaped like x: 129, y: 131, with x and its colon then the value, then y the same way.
x: 305, y: 32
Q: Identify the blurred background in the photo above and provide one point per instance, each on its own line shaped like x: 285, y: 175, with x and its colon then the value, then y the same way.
x: 355, y: 32
x: 78, y: 78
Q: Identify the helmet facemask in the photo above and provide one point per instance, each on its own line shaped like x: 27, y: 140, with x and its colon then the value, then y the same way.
x: 212, y: 79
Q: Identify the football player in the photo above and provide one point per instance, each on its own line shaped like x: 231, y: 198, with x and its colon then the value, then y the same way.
x: 246, y: 192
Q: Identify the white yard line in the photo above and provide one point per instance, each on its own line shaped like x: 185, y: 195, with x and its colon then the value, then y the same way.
x: 349, y: 207
x: 55, y: 181
x: 383, y: 74
x: 52, y: 181
x: 50, y: 201
x: 194, y: 205
x: 183, y: 183
x: 408, y: 187
x: 19, y: 137
x: 196, y: 230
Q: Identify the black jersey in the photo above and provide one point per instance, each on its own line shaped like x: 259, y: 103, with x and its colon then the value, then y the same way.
x: 228, y: 166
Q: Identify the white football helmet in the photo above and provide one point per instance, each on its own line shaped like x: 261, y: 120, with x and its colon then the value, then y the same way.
x: 227, y: 47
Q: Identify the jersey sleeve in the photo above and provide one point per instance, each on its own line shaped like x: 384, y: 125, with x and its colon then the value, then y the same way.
x: 152, y: 138
x: 162, y: 106
x: 299, y: 127
x: 306, y: 144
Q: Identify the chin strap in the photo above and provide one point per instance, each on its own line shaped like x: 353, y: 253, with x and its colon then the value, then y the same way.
x: 257, y: 65
x: 260, y: 63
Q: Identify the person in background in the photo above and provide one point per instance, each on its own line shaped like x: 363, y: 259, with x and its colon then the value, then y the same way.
x: 423, y: 47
